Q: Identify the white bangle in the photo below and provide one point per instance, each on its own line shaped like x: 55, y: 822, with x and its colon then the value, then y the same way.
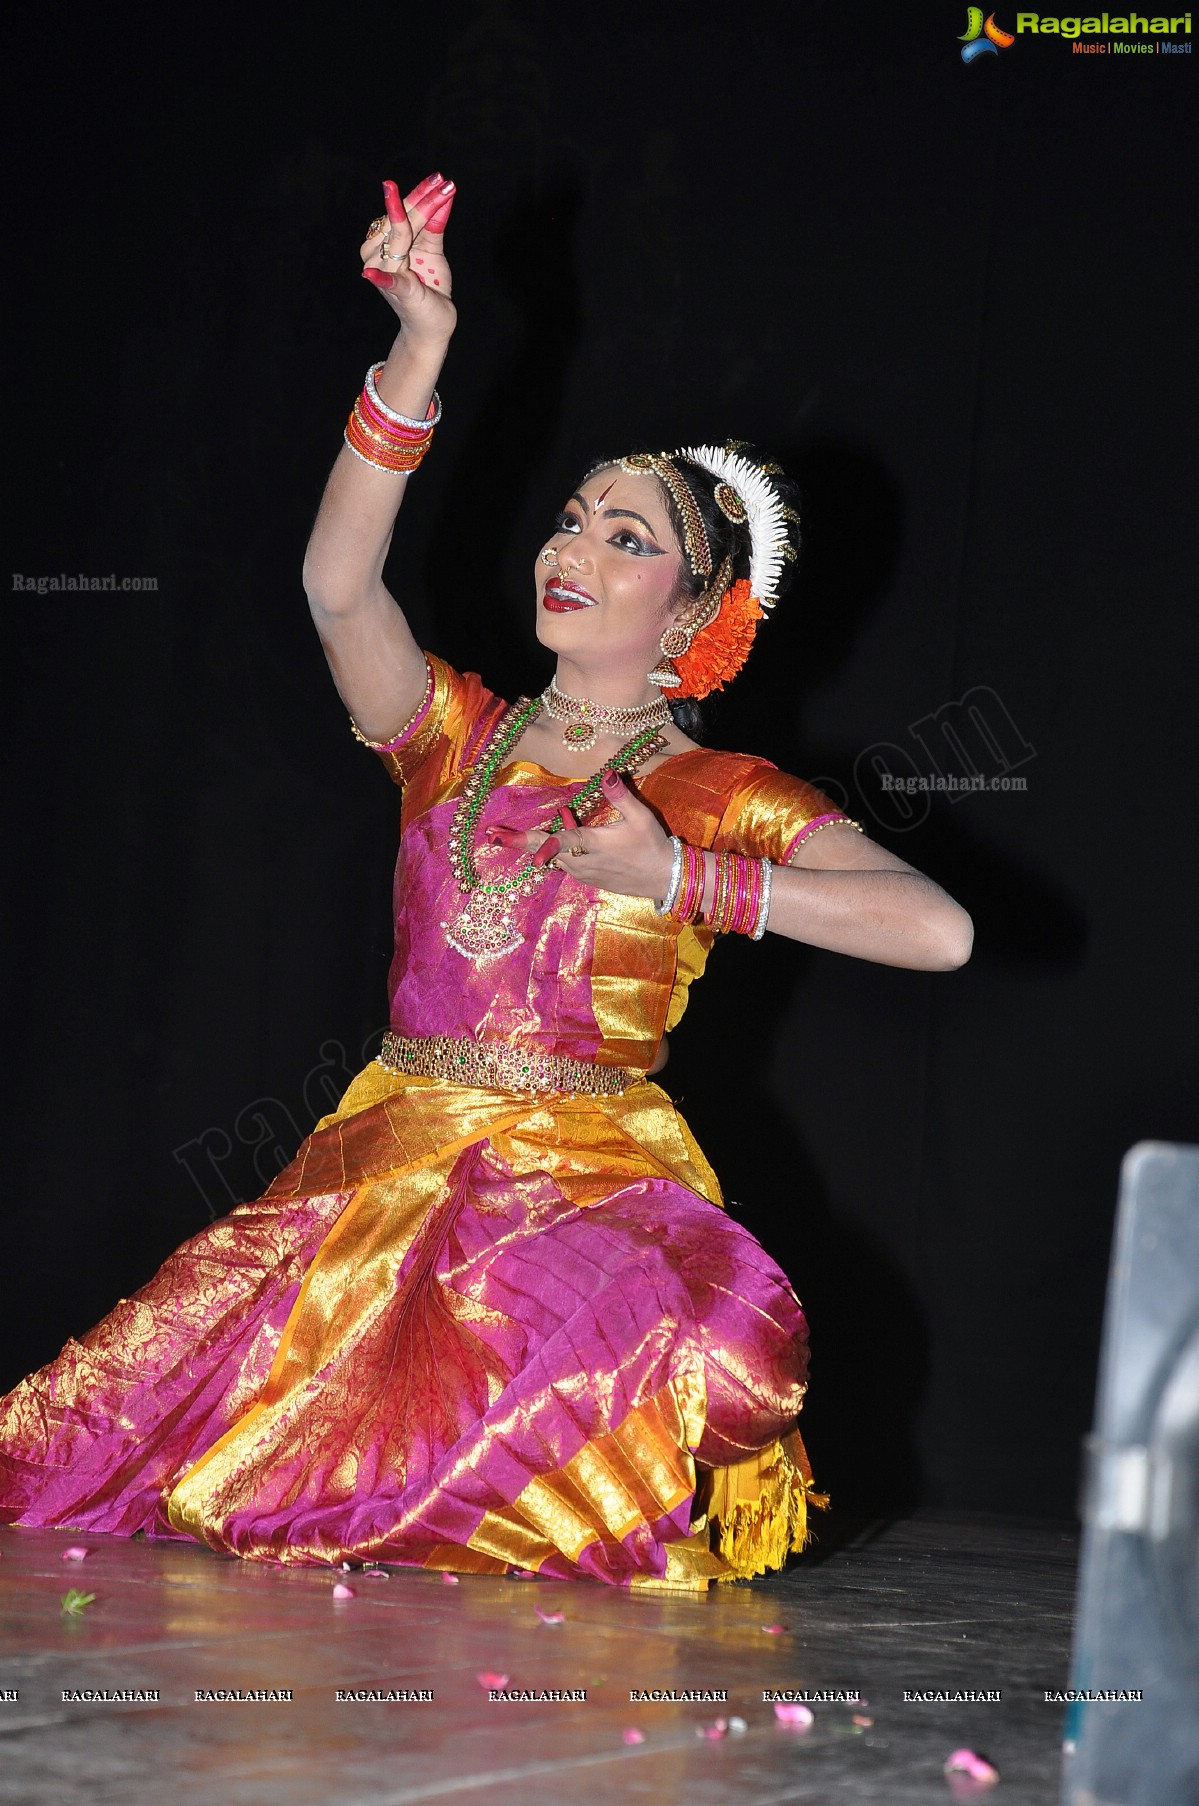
x: 676, y: 880
x: 416, y: 426
x: 764, y: 905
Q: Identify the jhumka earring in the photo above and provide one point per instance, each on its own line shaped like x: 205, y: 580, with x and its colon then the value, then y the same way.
x: 674, y: 642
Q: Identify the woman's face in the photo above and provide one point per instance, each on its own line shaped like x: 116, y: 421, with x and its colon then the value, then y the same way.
x: 609, y: 580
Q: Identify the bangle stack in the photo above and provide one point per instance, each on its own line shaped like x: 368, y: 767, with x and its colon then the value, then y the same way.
x: 741, y: 903
x: 390, y: 441
x: 742, y: 898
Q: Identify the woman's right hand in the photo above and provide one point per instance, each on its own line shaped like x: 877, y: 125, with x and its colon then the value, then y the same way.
x: 405, y: 259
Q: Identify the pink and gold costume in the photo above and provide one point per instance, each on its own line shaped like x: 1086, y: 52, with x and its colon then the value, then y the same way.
x: 469, y: 1328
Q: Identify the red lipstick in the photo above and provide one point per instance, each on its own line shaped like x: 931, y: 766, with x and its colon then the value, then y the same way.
x: 561, y: 596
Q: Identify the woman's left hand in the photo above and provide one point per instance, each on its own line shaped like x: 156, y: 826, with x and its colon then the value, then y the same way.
x: 632, y: 856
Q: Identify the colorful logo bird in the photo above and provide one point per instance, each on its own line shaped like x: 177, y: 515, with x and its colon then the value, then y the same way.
x: 982, y: 37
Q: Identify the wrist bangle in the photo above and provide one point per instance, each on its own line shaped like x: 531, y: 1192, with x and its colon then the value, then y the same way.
x: 759, y: 927
x: 414, y: 426
x: 666, y: 906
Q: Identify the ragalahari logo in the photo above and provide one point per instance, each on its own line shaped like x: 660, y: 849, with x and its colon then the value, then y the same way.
x: 982, y: 37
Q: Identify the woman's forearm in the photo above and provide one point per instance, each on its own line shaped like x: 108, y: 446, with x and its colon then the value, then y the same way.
x: 896, y: 918
x: 343, y: 565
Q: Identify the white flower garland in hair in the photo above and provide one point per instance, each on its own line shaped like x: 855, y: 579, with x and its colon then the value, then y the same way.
x: 763, y: 510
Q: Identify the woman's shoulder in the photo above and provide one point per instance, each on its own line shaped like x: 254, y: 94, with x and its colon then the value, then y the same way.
x: 740, y: 798
x: 711, y: 767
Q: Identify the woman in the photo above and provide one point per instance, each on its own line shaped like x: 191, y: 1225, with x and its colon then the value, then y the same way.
x: 492, y: 1316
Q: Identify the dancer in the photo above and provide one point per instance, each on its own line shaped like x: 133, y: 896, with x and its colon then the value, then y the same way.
x: 493, y: 1315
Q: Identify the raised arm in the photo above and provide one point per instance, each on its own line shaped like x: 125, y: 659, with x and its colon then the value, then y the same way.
x: 376, y: 663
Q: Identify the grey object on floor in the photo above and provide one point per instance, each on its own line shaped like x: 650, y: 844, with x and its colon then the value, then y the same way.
x: 1138, y: 1614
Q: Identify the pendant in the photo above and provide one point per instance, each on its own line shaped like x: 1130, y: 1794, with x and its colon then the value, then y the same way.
x: 485, y: 927
x: 580, y: 736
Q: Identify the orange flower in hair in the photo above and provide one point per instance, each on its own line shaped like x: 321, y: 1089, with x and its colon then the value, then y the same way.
x: 719, y: 650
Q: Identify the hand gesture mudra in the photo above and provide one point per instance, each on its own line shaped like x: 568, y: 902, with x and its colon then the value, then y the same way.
x: 403, y: 256
x: 631, y: 854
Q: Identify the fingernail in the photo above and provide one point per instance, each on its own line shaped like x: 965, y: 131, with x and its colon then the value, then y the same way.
x: 447, y: 188
x: 569, y: 818
x: 611, y: 781
x: 547, y: 850
x: 379, y: 278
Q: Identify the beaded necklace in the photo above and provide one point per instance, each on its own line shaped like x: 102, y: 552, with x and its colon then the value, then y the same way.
x: 485, y: 927
x: 585, y: 719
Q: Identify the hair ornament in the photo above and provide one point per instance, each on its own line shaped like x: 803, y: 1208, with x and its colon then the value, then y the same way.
x: 695, y: 534
x: 730, y: 503
x: 763, y: 510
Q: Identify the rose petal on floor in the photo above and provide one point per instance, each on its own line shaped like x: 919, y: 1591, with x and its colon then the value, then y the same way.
x: 76, y: 1553
x: 341, y: 1591
x: 797, y: 1716
x: 487, y: 1680
x: 861, y: 1718
x: 968, y: 1773
x: 449, y: 1580
x: 773, y: 1630
x: 549, y: 1617
x: 719, y: 1728
x: 631, y: 1734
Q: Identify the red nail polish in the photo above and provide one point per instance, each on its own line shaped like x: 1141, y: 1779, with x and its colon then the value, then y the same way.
x: 379, y: 278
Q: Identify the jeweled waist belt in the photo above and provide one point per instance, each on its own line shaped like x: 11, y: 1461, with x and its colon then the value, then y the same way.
x: 498, y: 1065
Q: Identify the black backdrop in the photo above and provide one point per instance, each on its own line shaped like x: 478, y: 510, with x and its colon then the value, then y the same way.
x: 950, y: 298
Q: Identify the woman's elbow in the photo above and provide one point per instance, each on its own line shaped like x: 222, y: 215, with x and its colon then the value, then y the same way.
x: 951, y: 939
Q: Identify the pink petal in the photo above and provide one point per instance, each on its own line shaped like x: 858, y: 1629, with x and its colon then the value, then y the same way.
x: 860, y: 1718
x: 449, y: 1580
x: 549, y: 1617
x: 375, y: 1574
x: 713, y: 1731
x: 798, y: 1715
x: 343, y: 1592
x: 773, y: 1630
x: 523, y: 1574
x: 632, y: 1735
x: 487, y: 1680
x: 76, y: 1553
x: 969, y: 1773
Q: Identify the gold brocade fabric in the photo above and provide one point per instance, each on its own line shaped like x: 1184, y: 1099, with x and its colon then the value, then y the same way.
x: 470, y: 1328
x: 749, y: 1515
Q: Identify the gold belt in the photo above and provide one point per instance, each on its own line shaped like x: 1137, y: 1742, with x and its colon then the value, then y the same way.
x: 497, y: 1065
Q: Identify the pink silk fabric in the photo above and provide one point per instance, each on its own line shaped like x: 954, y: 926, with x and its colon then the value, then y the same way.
x: 467, y: 1328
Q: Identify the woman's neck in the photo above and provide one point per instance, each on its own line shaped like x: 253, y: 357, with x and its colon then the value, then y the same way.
x: 611, y: 689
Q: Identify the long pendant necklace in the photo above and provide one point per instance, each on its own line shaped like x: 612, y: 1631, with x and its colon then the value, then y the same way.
x: 585, y: 719
x: 486, y: 925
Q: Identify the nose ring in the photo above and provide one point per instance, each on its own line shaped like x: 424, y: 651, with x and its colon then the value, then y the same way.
x: 549, y: 556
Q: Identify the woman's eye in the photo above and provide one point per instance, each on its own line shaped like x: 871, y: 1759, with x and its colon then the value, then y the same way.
x: 632, y: 542
x: 567, y: 523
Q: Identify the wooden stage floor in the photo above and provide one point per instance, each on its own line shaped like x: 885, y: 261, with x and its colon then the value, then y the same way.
x: 930, y: 1603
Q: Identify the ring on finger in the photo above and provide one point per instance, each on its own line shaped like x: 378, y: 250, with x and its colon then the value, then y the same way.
x: 577, y: 849
x: 386, y: 256
x: 376, y: 228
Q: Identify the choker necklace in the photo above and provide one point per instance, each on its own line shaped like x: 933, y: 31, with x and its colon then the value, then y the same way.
x: 585, y: 719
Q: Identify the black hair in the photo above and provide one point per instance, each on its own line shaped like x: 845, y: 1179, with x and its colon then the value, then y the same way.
x: 727, y: 539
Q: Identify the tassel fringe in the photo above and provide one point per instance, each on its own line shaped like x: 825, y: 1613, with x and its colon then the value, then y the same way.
x: 758, y: 1510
